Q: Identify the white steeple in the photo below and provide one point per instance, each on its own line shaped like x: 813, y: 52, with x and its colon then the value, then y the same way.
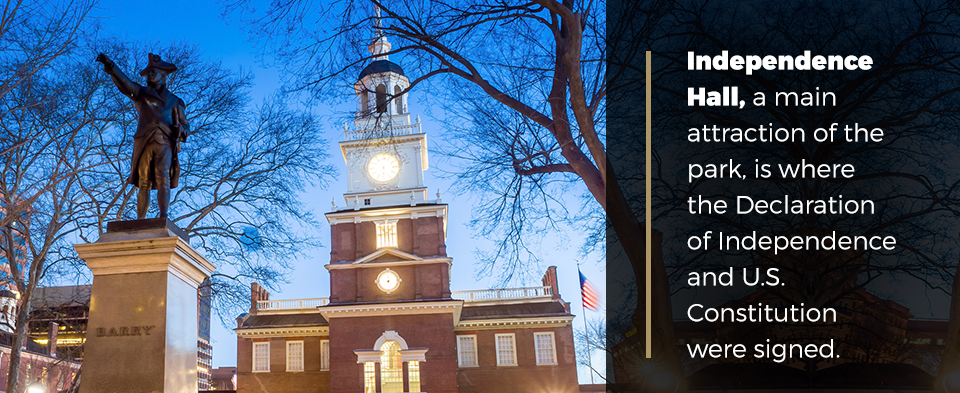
x: 380, y: 46
x: 385, y: 153
x: 381, y: 92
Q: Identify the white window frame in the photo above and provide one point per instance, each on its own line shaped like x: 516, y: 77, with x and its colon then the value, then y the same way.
x: 513, y: 339
x: 302, y: 353
x: 410, y: 374
x: 553, y: 348
x: 369, y: 377
x: 254, y: 356
x: 325, y: 355
x: 476, y: 361
x: 386, y: 234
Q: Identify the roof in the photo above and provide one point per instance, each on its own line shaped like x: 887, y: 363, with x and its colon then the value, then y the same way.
x: 282, y: 320
x: 516, y: 310
x: 223, y: 372
x: 379, y: 66
x: 54, y: 297
x: 552, y: 308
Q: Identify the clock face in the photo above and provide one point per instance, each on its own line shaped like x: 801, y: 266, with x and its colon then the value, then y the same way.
x: 388, y: 280
x: 383, y: 167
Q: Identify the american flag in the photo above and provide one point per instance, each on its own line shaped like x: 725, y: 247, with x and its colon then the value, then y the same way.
x: 591, y: 298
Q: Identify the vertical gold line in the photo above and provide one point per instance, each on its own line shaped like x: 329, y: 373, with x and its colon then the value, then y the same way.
x: 649, y: 220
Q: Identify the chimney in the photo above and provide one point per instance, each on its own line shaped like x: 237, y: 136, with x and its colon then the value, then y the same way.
x: 550, y: 280
x: 52, y: 338
x: 257, y: 293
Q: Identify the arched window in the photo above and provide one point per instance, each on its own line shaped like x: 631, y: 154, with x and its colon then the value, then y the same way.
x: 381, y: 98
x: 398, y: 98
x: 391, y: 368
x: 364, y: 102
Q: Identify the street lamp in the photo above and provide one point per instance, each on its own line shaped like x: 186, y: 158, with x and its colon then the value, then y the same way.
x: 36, y: 387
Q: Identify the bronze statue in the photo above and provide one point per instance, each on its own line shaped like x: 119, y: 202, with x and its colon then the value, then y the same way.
x: 160, y: 129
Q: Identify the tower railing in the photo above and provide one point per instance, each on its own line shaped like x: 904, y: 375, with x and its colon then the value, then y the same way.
x: 493, y: 295
x: 291, y: 304
x: 384, y: 132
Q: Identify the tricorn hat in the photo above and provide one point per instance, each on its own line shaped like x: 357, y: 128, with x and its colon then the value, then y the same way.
x: 155, y: 62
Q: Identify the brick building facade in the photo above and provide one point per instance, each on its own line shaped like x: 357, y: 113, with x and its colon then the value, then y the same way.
x: 38, y: 363
x: 391, y: 322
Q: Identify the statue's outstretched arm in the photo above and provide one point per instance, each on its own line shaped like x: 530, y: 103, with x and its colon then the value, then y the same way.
x: 124, y: 84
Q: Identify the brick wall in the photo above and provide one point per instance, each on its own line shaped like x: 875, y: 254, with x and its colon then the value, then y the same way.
x: 526, y: 376
x: 420, y: 282
x: 433, y: 331
x: 59, y: 372
x: 311, y: 380
x: 423, y: 237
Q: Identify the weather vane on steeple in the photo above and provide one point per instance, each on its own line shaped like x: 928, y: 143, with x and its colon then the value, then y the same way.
x: 380, y: 46
x: 377, y: 23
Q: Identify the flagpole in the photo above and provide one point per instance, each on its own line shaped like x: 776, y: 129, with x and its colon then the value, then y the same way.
x: 586, y: 332
x: 586, y: 329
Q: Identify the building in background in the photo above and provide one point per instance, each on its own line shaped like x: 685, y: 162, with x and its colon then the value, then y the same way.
x: 38, y: 364
x: 58, y: 319
x: 391, y: 322
x: 223, y: 379
x: 9, y: 295
x: 9, y: 302
x: 204, y: 345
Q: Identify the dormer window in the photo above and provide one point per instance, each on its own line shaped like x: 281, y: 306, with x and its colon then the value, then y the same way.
x: 387, y: 234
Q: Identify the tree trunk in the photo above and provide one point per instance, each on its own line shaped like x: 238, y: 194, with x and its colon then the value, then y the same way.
x: 950, y: 362
x: 19, y: 337
x: 632, y: 237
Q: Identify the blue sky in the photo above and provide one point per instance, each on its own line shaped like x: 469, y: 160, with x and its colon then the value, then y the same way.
x: 199, y: 22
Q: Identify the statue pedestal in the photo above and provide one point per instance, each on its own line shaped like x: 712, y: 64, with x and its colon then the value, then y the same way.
x: 142, y: 332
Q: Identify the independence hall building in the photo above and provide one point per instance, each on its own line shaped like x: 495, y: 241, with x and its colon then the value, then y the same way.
x: 391, y: 322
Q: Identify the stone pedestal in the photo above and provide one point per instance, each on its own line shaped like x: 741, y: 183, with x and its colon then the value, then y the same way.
x: 142, y: 332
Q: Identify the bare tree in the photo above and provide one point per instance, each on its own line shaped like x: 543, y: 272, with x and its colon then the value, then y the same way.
x: 49, y: 116
x: 33, y: 36
x: 242, y: 172
x: 592, y: 339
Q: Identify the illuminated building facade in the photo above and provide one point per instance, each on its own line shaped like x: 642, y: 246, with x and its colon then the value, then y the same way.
x: 391, y: 322
x: 204, y: 344
x: 63, y: 311
x: 9, y: 296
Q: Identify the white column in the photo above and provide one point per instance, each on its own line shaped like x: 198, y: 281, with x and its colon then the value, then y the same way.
x: 419, y: 160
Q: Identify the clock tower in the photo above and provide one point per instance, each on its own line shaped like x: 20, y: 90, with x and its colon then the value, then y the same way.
x: 386, y: 152
x: 391, y: 323
x: 389, y: 270
x: 386, y: 215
